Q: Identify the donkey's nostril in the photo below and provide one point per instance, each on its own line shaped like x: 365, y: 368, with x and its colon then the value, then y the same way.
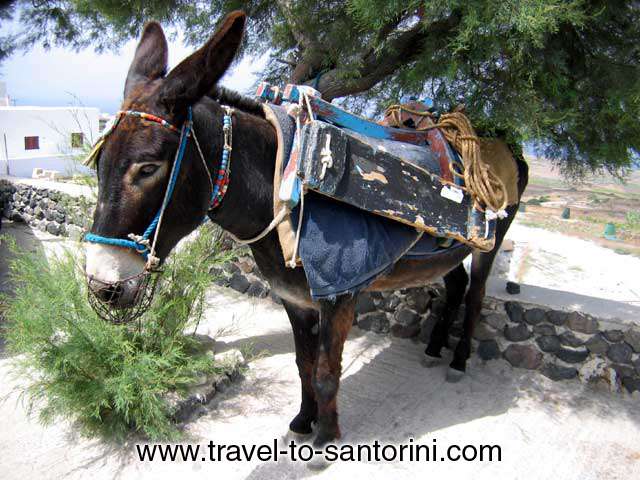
x: 108, y: 293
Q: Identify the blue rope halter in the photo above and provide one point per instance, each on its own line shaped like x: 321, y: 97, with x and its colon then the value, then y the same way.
x: 142, y: 243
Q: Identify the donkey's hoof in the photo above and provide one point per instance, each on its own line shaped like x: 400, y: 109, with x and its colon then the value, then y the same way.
x: 429, y: 361
x: 297, y: 437
x: 318, y: 462
x: 453, y: 375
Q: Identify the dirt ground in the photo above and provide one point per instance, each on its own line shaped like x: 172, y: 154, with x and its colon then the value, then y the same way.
x: 545, y: 429
x: 593, y: 203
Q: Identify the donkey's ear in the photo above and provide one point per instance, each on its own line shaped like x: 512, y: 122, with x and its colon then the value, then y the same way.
x: 197, y: 74
x: 150, y: 60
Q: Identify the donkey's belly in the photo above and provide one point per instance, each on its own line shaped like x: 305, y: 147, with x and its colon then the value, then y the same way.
x: 416, y: 273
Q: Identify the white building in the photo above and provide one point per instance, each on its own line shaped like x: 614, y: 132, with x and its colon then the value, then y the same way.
x: 51, y: 138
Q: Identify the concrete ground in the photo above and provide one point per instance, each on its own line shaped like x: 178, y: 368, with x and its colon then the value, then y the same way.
x: 545, y: 429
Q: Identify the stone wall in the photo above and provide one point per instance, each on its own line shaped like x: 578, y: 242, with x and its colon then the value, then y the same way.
x: 562, y: 345
x: 47, y: 210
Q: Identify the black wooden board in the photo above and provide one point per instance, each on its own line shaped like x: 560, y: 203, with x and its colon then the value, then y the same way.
x: 380, y: 182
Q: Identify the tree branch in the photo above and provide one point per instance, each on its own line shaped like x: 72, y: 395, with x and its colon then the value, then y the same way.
x: 375, y: 67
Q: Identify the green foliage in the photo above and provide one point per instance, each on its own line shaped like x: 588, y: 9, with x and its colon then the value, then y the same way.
x: 561, y: 74
x: 110, y: 379
x: 632, y: 222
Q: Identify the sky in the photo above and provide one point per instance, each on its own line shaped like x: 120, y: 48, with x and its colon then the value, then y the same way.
x: 54, y: 77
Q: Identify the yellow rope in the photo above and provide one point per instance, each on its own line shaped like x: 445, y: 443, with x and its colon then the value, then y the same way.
x: 486, y: 188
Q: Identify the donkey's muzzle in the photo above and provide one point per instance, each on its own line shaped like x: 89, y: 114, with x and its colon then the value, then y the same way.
x: 122, y: 301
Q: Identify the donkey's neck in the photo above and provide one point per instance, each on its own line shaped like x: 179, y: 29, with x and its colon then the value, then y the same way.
x: 247, y: 207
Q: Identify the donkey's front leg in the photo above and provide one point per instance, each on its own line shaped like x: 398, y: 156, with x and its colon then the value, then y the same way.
x: 336, y: 319
x: 304, y: 323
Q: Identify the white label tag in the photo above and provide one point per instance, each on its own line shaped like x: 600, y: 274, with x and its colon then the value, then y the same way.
x: 452, y: 193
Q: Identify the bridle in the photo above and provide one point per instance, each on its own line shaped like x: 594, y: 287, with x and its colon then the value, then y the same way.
x: 145, y: 244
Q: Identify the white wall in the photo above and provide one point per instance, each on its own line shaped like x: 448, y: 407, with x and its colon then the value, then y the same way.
x: 53, y: 126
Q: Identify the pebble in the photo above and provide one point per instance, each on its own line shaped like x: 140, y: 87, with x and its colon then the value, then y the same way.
x: 523, y: 356
x: 517, y: 333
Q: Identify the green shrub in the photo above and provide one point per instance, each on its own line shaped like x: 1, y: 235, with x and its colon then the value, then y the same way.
x: 111, y: 379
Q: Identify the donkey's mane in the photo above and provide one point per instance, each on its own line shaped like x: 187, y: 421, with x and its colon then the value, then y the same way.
x: 234, y: 99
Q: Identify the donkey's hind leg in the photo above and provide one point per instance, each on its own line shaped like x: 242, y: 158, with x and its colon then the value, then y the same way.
x: 304, y: 323
x: 456, y: 283
x: 481, y: 264
x: 480, y: 268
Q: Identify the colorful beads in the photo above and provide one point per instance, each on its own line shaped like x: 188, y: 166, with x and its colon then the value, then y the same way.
x: 222, y: 179
x: 149, y: 117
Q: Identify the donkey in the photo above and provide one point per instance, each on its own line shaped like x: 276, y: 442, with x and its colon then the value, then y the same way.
x: 134, y: 168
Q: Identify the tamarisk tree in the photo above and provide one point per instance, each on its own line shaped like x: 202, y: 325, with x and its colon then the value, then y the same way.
x: 561, y: 74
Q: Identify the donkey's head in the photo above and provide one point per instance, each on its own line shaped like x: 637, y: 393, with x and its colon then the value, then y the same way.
x: 136, y: 159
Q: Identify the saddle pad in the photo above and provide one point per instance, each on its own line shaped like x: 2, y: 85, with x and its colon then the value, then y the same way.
x: 344, y: 249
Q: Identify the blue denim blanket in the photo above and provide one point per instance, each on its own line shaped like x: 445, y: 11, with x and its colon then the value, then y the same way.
x: 344, y: 249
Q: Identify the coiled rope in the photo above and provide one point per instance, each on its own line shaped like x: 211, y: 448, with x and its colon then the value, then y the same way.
x: 486, y: 189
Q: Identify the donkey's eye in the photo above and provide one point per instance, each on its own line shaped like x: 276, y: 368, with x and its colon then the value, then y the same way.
x: 147, y: 170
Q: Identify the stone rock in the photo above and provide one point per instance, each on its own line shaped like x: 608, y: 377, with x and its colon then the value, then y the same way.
x: 582, y: 323
x: 418, y: 299
x: 232, y: 268
x: 483, y: 332
x: 534, y: 316
x: 636, y: 364
x: 632, y: 337
x: 558, y: 372
x: 619, y: 353
x: 53, y: 228
x: 38, y: 212
x: 59, y: 217
x: 258, y: 290
x: 571, y: 355
x: 75, y: 233
x: 365, y: 304
x: 614, y: 336
x: 523, y: 356
x: 548, y: 343
x: 239, y: 283
x: 246, y: 266
x: 496, y: 320
x: 517, y: 333
x: 407, y: 317
x: 513, y: 288
x: 16, y: 217
x: 632, y: 384
x: 557, y: 317
x: 50, y: 215
x: 231, y: 359
x: 405, y: 331
x: 391, y: 303
x: 623, y: 370
x: 544, y: 329
x: 514, y: 311
x: 488, y: 350
x: 374, y: 322
x: 596, y: 372
x: 569, y: 338
x: 597, y: 344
